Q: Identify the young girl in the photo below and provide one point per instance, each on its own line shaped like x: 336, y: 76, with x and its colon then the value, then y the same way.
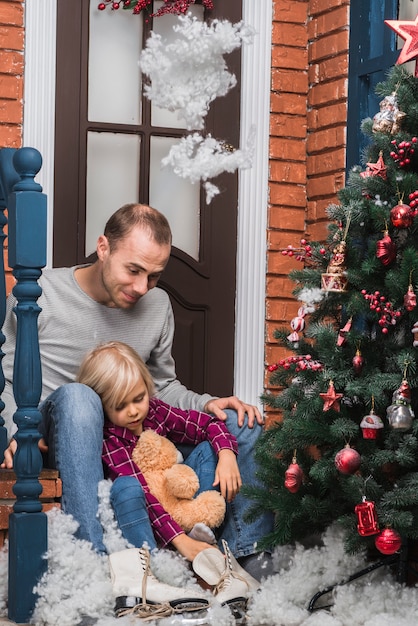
x: 122, y: 381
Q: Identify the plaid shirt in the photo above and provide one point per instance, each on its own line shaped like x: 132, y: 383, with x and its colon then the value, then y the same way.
x: 178, y: 425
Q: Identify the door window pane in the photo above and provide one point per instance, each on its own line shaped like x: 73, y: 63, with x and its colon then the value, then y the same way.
x: 112, y: 179
x: 114, y: 81
x: 176, y: 197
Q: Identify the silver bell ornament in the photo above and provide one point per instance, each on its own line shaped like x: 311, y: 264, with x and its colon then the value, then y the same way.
x: 400, y: 413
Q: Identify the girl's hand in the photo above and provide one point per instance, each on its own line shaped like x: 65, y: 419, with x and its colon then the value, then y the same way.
x: 227, y: 475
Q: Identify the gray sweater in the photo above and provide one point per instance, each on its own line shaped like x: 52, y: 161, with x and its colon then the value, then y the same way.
x: 71, y: 323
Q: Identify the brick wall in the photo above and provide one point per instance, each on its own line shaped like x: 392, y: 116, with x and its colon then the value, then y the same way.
x: 307, y: 140
x: 11, y: 73
x: 11, y: 79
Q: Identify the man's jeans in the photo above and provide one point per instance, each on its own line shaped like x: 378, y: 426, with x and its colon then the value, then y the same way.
x: 72, y: 425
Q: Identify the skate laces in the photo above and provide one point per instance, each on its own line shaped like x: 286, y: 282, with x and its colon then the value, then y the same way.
x: 147, y: 611
x: 229, y: 573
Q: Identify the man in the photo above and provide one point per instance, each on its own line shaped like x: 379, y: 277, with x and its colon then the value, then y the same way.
x: 116, y: 298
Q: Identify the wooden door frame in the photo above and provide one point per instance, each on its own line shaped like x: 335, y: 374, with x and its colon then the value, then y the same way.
x: 40, y: 19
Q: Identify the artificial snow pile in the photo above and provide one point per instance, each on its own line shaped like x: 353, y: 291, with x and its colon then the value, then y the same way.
x: 77, y: 589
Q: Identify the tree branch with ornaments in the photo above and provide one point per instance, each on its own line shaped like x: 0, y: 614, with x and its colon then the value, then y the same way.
x: 346, y: 446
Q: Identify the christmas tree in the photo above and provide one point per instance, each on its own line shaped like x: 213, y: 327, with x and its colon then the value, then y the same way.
x: 346, y: 449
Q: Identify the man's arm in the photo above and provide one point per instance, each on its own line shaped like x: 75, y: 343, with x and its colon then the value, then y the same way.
x: 170, y: 390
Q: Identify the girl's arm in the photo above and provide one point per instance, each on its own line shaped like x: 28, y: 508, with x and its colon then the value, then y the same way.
x: 227, y: 475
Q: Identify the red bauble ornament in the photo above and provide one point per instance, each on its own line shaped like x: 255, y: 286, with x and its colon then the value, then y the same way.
x: 347, y: 460
x: 410, y: 299
x: 366, y: 519
x: 388, y: 542
x: 293, y: 477
x: 358, y: 362
x: 385, y: 249
x: 401, y: 215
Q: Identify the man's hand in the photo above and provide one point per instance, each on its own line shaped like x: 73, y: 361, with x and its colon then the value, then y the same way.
x: 11, y: 451
x: 216, y: 406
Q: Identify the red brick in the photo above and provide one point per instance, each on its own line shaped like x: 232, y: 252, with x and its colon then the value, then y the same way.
x: 327, y: 115
x: 328, y: 46
x: 326, y: 93
x: 281, y: 216
x: 329, y: 69
x: 11, y: 13
x: 10, y: 87
x: 325, y: 163
x: 279, y: 263
x: 284, y: 310
x: 11, y: 62
x: 325, y: 185
x: 288, y: 103
x: 318, y: 231
x: 329, y: 22
x: 327, y: 139
x: 11, y: 37
x: 284, y: 287
x: 10, y: 112
x: 287, y: 196
x: 10, y: 136
x: 323, y: 6
x: 293, y: 35
x: 287, y: 171
x: 289, y: 81
x: 288, y: 148
x: 287, y: 125
x: 289, y: 58
x: 290, y: 11
x: 316, y: 211
x: 280, y: 239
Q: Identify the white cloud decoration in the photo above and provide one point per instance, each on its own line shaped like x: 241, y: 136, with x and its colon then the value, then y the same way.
x: 200, y: 158
x: 186, y: 74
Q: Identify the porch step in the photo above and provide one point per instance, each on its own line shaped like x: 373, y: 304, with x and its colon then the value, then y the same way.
x: 51, y: 493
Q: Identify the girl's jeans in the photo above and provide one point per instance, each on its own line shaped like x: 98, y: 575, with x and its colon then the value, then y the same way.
x: 72, y: 425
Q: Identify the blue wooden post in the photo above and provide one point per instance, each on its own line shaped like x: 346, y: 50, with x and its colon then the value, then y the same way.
x: 8, y: 177
x: 27, y: 255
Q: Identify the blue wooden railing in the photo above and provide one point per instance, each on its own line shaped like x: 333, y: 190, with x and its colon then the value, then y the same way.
x: 26, y: 206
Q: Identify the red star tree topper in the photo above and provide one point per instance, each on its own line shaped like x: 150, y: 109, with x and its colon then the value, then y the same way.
x: 409, y: 31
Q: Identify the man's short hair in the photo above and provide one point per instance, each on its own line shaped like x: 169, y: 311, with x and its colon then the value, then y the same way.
x: 130, y: 216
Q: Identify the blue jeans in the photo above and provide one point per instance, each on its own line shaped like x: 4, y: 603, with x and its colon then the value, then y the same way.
x: 72, y: 425
x: 128, y: 499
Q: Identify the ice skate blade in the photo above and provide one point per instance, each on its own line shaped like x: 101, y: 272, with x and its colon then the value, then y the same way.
x: 183, y: 606
x: 238, y: 608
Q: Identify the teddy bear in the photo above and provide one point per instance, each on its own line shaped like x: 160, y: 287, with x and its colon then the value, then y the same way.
x: 175, y: 484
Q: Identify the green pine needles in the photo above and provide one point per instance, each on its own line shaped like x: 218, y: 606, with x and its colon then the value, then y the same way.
x: 373, y: 319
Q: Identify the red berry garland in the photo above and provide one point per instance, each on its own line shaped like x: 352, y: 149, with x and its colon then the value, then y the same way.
x: 379, y: 304
x: 301, y: 362
x: 403, y: 151
x: 176, y: 7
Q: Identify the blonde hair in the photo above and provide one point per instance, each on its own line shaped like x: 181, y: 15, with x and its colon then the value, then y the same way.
x: 112, y: 370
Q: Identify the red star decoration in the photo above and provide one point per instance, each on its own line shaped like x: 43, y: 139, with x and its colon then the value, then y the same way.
x: 409, y: 31
x: 376, y: 169
x: 331, y: 399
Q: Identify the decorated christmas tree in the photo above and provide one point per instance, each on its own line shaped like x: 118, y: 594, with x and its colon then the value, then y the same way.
x: 346, y: 448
